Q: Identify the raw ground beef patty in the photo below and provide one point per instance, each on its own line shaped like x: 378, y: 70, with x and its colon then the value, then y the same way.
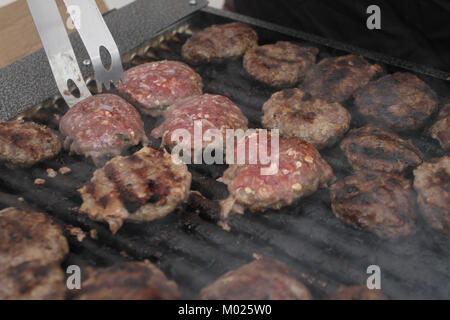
x: 300, y: 172
x: 156, y: 85
x: 212, y: 111
x: 102, y: 125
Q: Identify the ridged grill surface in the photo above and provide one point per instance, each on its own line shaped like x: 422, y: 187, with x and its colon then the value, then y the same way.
x: 194, y: 251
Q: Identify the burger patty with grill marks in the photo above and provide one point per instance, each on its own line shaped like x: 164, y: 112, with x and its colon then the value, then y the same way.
x: 280, y: 64
x: 213, y: 111
x: 432, y: 183
x: 372, y: 148
x: 23, y: 144
x: 102, y: 125
x: 335, y: 79
x: 264, y: 279
x: 32, y: 280
x: 127, y: 281
x: 142, y: 187
x: 219, y: 42
x: 381, y: 203
x: 157, y: 85
x: 399, y: 101
x: 441, y: 129
x: 27, y: 235
x: 298, y: 114
x: 300, y: 172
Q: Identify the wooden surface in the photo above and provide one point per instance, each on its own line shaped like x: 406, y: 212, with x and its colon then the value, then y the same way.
x: 18, y: 35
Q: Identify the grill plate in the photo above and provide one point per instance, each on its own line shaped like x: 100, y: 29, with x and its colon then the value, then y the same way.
x: 321, y: 251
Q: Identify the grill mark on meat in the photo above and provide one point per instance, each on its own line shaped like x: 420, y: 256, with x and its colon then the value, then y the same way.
x: 306, y: 97
x: 25, y: 143
x: 145, y: 187
x: 399, y: 101
x: 104, y: 201
x: 219, y: 42
x: 375, y: 149
x: 281, y: 64
x: 444, y: 178
x: 277, y: 60
x: 126, y: 194
x: 298, y: 114
x: 380, y: 153
x: 384, y: 205
x: 336, y: 79
x: 288, y: 93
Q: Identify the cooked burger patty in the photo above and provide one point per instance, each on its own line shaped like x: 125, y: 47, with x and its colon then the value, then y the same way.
x: 219, y: 42
x: 432, y: 183
x: 127, y: 281
x: 372, y: 148
x: 399, y: 101
x: 26, y: 235
x: 23, y: 144
x: 441, y: 129
x: 358, y: 293
x: 335, y: 79
x: 212, y: 111
x: 381, y: 203
x: 298, y: 114
x: 300, y: 172
x: 102, y: 125
x: 264, y: 279
x: 280, y: 64
x: 32, y: 280
x: 156, y: 85
x: 142, y: 187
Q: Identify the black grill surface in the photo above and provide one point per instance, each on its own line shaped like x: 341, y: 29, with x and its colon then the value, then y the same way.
x: 188, y: 245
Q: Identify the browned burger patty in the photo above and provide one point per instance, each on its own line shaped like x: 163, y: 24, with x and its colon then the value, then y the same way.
x: 219, y: 42
x: 300, y: 172
x: 127, y: 281
x: 23, y: 144
x: 280, y: 64
x: 372, y: 148
x: 335, y: 79
x: 381, y: 203
x: 156, y: 85
x: 399, y: 101
x: 142, y: 187
x: 298, y: 114
x: 32, y: 280
x: 102, y: 125
x: 26, y: 235
x: 432, y: 183
x: 441, y: 129
x: 358, y: 293
x: 211, y: 111
x: 264, y: 279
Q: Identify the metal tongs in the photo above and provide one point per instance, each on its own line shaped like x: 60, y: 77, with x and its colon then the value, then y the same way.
x: 95, y: 35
